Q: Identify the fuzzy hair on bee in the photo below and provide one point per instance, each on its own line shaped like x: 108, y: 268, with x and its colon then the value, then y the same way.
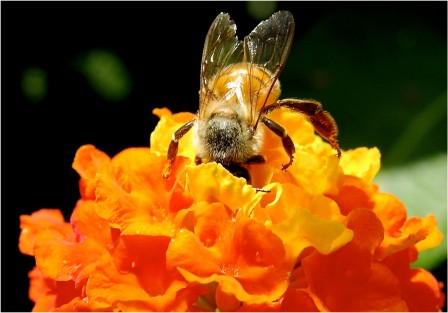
x: 239, y: 86
x: 226, y: 138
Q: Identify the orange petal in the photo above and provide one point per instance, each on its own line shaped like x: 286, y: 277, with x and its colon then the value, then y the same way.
x: 353, y: 193
x: 135, y: 279
x: 333, y: 283
x: 246, y: 259
x: 273, y: 306
x: 49, y: 294
x: 259, y: 266
x: 298, y: 300
x: 88, y: 161
x: 368, y: 230
x: 214, y: 228
x: 75, y: 305
x: 145, y: 256
x: 87, y: 225
x: 161, y: 112
x: 133, y: 195
x: 31, y: 225
x: 421, y: 291
x: 180, y: 197
x: 349, y: 279
x: 368, y: 234
x: 390, y: 210
x: 226, y: 302
x: 63, y: 255
x: 40, y: 291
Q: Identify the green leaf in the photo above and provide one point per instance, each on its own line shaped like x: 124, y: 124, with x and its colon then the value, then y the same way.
x: 422, y: 187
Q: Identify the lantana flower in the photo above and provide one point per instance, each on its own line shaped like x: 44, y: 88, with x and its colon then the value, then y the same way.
x: 323, y: 238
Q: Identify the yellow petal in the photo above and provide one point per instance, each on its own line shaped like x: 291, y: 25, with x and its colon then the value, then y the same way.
x: 317, y: 174
x: 299, y: 228
x: 167, y: 126
x: 211, y: 182
x: 434, y: 237
x: 361, y: 162
x: 421, y: 232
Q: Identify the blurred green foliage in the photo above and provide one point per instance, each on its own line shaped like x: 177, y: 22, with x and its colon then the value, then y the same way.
x: 34, y: 84
x: 261, y: 10
x: 381, y: 75
x: 418, y: 130
x: 106, y: 74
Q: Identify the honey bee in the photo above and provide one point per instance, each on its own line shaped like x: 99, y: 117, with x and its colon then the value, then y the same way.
x: 239, y: 86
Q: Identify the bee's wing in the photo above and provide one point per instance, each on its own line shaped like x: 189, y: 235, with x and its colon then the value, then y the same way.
x: 221, y: 49
x: 268, y: 46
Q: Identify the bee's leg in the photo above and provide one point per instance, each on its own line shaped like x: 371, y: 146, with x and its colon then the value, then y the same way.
x: 288, y: 145
x: 322, y: 121
x: 174, y: 145
x: 255, y: 159
x: 197, y: 160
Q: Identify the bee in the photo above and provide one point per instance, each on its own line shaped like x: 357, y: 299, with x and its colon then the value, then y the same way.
x: 239, y: 86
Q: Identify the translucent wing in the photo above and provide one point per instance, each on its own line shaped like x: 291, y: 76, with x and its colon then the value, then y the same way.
x: 221, y: 49
x: 268, y: 46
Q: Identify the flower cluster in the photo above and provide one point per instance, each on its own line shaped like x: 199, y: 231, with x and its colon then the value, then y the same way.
x: 324, y: 238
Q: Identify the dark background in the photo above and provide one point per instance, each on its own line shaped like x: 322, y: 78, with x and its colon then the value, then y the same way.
x: 374, y: 65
